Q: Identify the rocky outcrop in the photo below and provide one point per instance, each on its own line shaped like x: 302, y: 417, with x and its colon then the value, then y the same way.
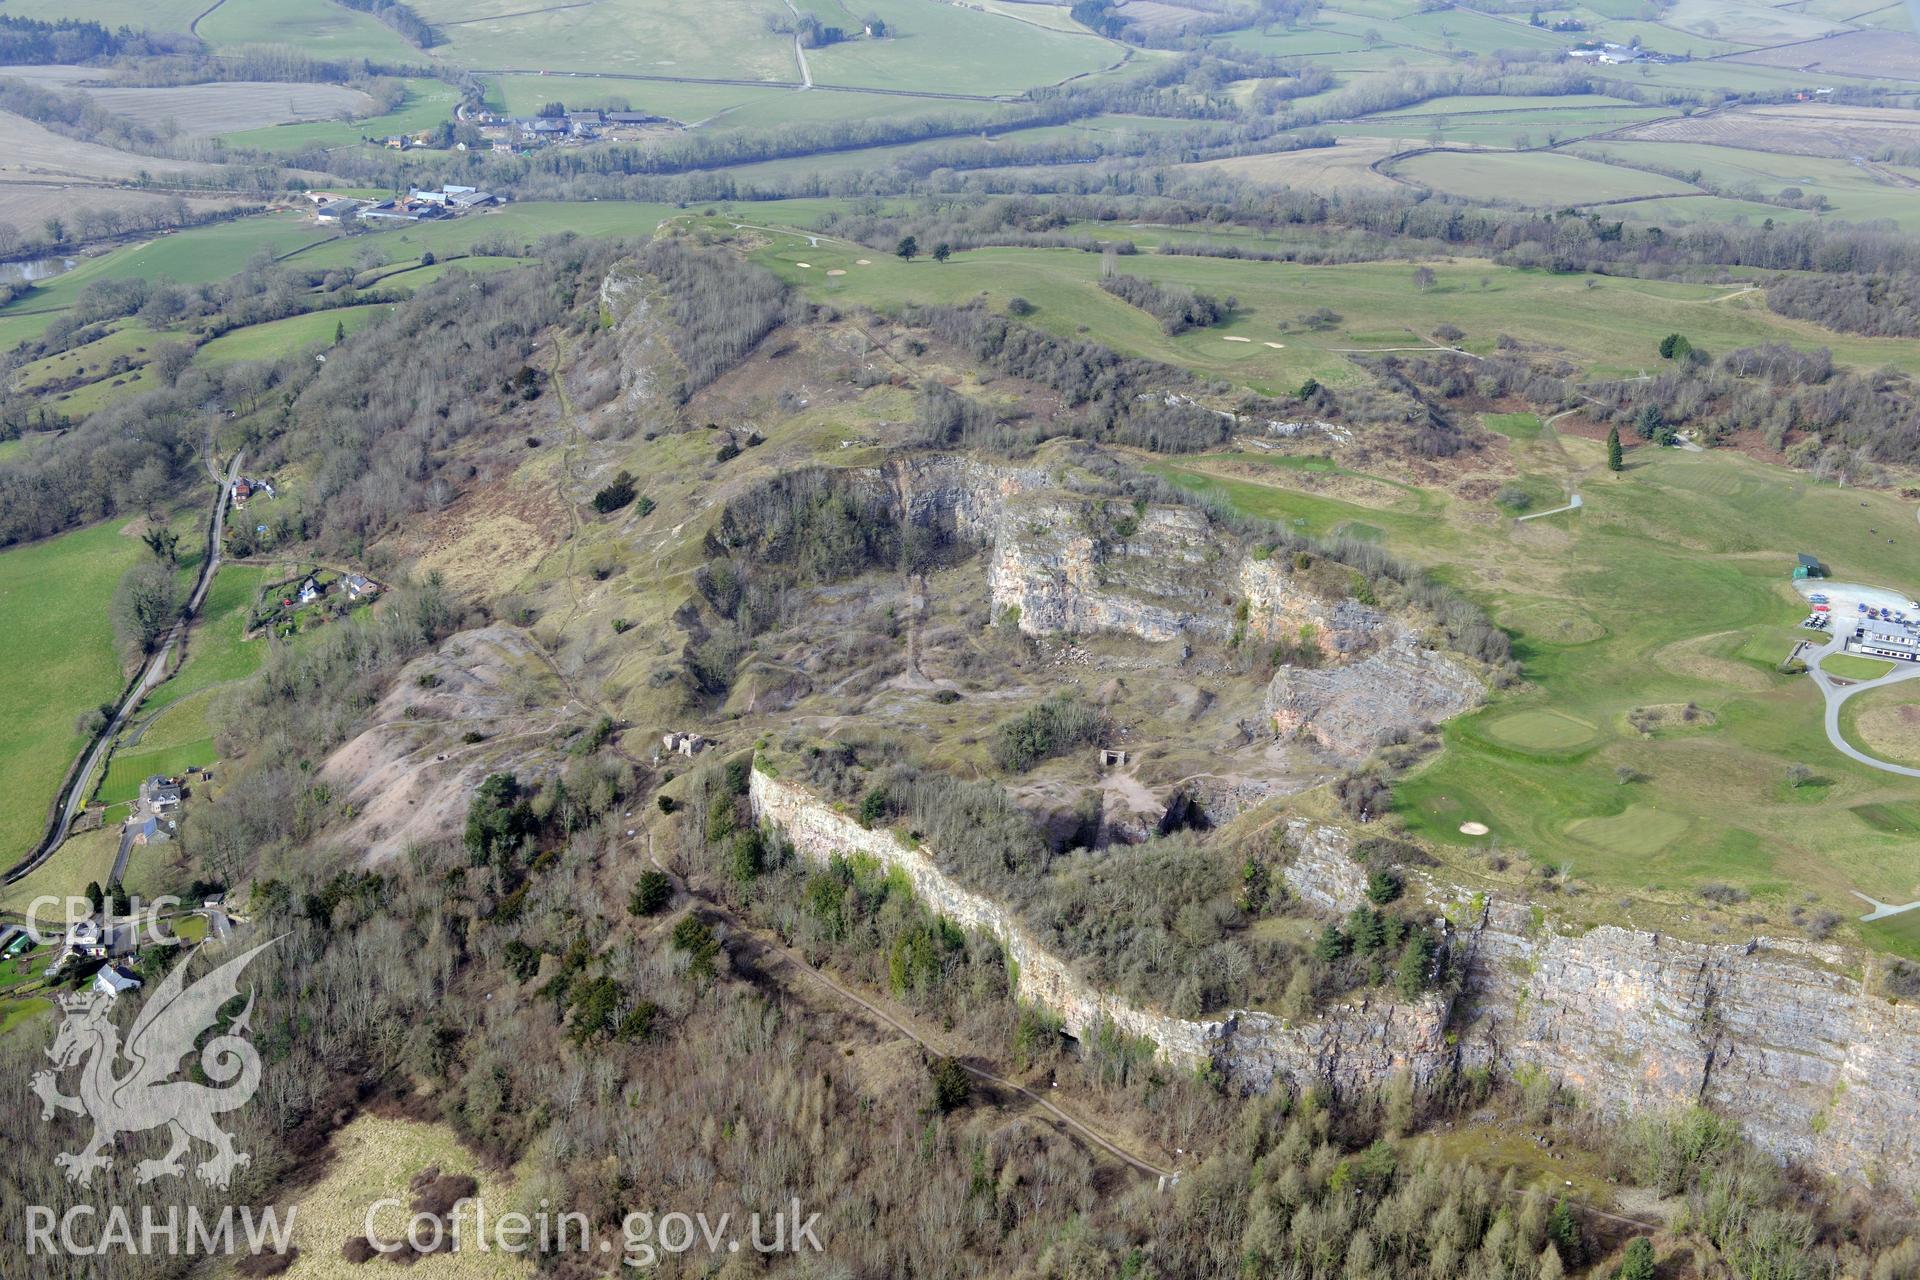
x: 1776, y: 1034
x: 649, y: 370
x: 1347, y: 710
x: 1063, y: 563
x: 1146, y: 577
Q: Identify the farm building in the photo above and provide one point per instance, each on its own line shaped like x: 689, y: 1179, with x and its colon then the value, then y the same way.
x: 452, y: 197
x: 1806, y: 566
x: 408, y: 210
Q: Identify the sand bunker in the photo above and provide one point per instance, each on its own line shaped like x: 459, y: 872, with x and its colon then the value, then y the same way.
x: 863, y: 262
x: 1227, y: 337
x: 1473, y: 828
x: 836, y: 271
x: 808, y: 265
x: 1278, y: 346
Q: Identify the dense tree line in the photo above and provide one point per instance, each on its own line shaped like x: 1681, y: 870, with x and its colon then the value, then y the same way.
x: 278, y: 62
x: 1177, y: 307
x: 26, y: 41
x: 378, y: 428
x: 402, y: 18
x: 1833, y: 422
x: 1883, y: 306
x: 92, y: 222
x: 130, y: 457
x: 1354, y: 226
x: 1119, y: 398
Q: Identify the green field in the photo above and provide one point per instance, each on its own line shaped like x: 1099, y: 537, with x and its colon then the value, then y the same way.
x: 53, y: 611
x: 317, y: 27
x: 1532, y: 178
x: 1514, y: 426
x: 279, y: 338
x: 1502, y: 128
x: 199, y: 255
x: 1683, y: 212
x: 1851, y: 192
x: 1852, y: 667
x: 1536, y: 729
x: 124, y: 774
x: 170, y: 731
x: 1749, y: 23
x: 217, y: 651
x: 947, y: 48
x: 428, y: 103
x: 86, y: 857
x: 725, y: 38
x: 1885, y: 722
x: 155, y: 15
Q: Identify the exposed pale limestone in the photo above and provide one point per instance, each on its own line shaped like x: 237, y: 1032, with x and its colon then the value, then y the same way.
x: 1812, y: 1065
x: 1346, y: 710
x: 648, y: 368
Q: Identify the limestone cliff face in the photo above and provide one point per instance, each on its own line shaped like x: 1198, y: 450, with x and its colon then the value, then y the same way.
x: 1355, y: 1045
x: 1148, y: 578
x: 1773, y: 1033
x: 1814, y: 1066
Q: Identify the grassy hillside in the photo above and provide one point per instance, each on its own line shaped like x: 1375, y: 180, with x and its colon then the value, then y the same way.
x: 1610, y: 326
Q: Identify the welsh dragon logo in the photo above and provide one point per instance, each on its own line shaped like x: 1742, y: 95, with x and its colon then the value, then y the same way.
x: 145, y: 1095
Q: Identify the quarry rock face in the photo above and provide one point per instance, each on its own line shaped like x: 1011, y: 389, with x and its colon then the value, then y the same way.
x: 1814, y: 1066
x: 1345, y: 710
x: 1775, y: 1034
x: 1356, y: 1045
x: 1152, y: 583
x: 1071, y: 566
